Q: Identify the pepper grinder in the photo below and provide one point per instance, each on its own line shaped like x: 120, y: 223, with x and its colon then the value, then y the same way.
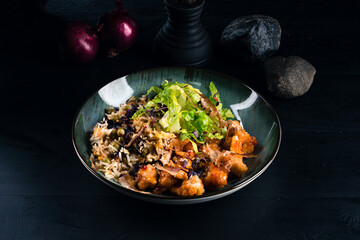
x: 183, y: 40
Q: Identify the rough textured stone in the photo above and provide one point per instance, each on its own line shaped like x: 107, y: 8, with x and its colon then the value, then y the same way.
x: 289, y: 77
x: 252, y: 38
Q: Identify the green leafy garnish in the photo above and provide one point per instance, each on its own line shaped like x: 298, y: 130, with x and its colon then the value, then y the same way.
x: 215, y: 99
x: 185, y: 114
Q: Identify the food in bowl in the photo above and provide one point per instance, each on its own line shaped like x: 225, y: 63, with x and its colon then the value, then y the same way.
x: 173, y: 140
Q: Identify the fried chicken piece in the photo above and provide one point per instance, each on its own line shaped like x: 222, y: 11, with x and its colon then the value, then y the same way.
x: 176, y: 144
x: 182, y: 175
x: 232, y: 162
x: 238, y: 140
x: 184, y: 149
x: 214, y: 177
x: 214, y: 144
x: 189, y: 154
x: 165, y: 182
x: 190, y: 187
x: 146, y: 177
x: 208, y: 152
x: 238, y: 167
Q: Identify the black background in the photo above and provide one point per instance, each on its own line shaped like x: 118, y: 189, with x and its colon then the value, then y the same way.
x: 311, y: 191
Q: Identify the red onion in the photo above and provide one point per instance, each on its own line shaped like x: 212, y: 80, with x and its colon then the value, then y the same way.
x: 196, y: 134
x: 79, y: 42
x: 119, y: 30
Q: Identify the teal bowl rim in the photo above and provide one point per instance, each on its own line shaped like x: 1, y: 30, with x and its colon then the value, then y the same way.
x: 209, y: 195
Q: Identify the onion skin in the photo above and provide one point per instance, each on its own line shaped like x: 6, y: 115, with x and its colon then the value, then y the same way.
x: 119, y: 30
x: 79, y: 43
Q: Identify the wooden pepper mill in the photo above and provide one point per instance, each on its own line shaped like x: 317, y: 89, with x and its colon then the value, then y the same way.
x: 183, y: 40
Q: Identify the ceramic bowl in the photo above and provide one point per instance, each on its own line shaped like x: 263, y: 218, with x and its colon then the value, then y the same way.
x: 256, y: 115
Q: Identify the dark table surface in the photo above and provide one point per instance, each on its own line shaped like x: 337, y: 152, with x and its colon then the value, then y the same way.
x: 311, y: 191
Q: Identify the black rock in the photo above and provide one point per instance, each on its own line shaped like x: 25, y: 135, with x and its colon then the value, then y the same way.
x: 289, y: 77
x: 252, y: 38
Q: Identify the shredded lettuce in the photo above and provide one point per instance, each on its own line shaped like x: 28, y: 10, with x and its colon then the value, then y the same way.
x: 185, y: 115
x: 214, y: 93
x: 226, y: 113
x: 215, y: 99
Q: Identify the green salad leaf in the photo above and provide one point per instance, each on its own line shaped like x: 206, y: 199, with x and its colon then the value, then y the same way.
x: 185, y: 114
x: 215, y: 99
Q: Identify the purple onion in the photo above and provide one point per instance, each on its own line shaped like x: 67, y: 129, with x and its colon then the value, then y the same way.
x: 79, y: 43
x: 119, y: 30
x: 162, y: 108
x: 191, y: 173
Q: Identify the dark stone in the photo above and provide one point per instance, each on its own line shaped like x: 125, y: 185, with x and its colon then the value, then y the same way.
x: 252, y: 38
x: 289, y: 77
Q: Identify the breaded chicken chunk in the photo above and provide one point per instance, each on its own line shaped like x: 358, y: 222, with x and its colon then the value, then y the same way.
x: 146, y: 177
x: 214, y: 177
x: 191, y: 187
